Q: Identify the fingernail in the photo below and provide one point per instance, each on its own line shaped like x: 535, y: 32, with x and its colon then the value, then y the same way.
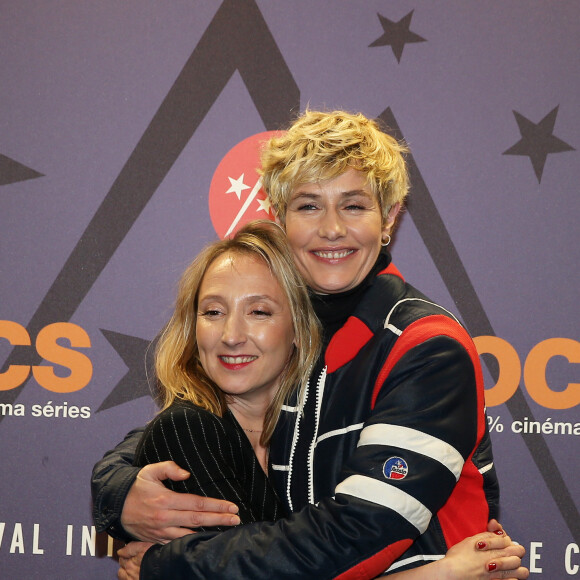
x: 481, y: 545
x: 233, y: 509
x: 491, y: 566
x: 235, y: 521
x: 499, y: 532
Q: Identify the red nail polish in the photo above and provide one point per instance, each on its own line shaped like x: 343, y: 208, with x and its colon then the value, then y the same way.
x: 499, y: 532
x: 491, y: 567
x: 481, y: 545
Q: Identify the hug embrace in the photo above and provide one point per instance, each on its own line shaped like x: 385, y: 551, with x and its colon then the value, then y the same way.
x: 311, y: 397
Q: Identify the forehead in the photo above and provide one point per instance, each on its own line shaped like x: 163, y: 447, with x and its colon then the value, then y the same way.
x: 237, y: 274
x: 347, y: 184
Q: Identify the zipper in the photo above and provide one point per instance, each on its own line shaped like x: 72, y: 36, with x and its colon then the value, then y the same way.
x: 319, y: 394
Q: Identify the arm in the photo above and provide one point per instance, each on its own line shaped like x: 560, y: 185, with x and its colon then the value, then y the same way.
x: 131, y: 502
x: 111, y: 480
x: 482, y: 557
x: 352, y: 534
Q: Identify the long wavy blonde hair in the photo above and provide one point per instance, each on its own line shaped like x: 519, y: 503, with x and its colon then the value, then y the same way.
x: 179, y: 371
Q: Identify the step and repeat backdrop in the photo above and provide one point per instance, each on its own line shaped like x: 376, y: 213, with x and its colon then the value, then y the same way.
x: 128, y: 139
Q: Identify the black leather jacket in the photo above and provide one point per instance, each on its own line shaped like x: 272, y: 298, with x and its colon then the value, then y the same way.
x: 387, y: 463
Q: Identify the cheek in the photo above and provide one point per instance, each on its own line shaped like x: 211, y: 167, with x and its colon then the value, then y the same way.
x: 296, y: 233
x: 204, y: 336
x: 371, y: 233
x: 285, y: 339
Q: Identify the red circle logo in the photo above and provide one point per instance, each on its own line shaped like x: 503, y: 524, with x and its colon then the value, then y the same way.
x: 235, y: 194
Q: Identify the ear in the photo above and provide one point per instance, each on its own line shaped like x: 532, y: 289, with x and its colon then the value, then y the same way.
x: 391, y: 216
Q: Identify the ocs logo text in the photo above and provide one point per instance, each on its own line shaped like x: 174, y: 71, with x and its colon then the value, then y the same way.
x: 79, y: 365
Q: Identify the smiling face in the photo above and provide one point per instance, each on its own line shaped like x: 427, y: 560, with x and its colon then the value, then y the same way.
x: 244, y: 327
x: 335, y: 228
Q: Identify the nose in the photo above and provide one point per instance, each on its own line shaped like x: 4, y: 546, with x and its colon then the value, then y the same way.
x: 233, y: 332
x: 331, y: 225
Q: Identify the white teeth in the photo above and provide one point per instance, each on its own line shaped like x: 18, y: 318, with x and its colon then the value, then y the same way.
x: 334, y: 255
x: 237, y: 360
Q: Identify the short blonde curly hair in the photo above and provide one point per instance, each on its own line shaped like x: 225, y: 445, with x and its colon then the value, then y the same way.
x: 321, y: 145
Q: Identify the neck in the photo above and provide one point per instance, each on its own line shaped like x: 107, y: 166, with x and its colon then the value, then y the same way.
x: 251, y: 420
x: 249, y: 414
x: 334, y: 309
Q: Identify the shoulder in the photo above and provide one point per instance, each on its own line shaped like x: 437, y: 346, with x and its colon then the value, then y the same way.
x: 391, y: 303
x: 184, y: 425
x: 184, y: 414
x: 411, y: 321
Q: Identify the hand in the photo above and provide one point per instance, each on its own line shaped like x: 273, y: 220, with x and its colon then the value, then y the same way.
x: 486, y: 556
x: 130, y: 560
x: 156, y: 514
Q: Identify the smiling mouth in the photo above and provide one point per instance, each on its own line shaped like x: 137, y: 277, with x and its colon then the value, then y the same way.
x: 333, y: 255
x: 237, y: 360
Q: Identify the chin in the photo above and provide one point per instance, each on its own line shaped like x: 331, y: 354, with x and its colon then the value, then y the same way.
x: 332, y: 289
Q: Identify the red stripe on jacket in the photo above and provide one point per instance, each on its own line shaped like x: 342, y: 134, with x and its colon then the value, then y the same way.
x: 468, y: 495
x: 377, y: 564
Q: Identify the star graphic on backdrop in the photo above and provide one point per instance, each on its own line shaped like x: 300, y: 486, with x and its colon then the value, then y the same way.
x: 397, y: 34
x: 264, y: 205
x: 538, y: 141
x: 134, y: 384
x: 237, y: 186
x: 12, y: 172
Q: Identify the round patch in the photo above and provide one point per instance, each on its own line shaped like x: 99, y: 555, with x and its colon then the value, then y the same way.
x: 235, y: 193
x: 395, y: 468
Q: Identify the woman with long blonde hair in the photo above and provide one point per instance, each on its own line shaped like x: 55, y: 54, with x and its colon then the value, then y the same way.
x: 241, y: 339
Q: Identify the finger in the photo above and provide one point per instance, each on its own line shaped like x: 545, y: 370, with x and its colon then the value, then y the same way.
x: 491, y: 541
x: 173, y: 524
x: 510, y: 550
x: 190, y: 521
x: 172, y: 502
x: 199, y: 503
x: 497, y: 559
x: 516, y: 574
x: 124, y: 553
x: 129, y: 550
x: 163, y: 470
x: 197, y: 519
x: 493, y: 526
x: 507, y: 563
x: 514, y: 550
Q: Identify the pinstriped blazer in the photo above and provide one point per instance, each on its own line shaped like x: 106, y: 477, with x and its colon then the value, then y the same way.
x: 217, y: 453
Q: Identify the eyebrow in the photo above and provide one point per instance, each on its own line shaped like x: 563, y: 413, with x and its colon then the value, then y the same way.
x: 346, y: 194
x: 251, y: 298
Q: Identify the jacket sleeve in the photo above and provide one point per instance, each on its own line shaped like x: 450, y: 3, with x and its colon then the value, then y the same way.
x: 429, y: 392
x: 111, y: 480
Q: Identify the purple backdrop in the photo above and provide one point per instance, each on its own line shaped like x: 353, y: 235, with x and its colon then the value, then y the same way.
x: 114, y: 117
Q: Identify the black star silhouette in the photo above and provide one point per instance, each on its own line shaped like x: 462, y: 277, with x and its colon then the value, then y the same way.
x: 136, y: 382
x: 12, y: 172
x: 397, y: 34
x: 537, y: 141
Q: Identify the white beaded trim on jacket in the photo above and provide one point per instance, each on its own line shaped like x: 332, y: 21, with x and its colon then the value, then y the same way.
x: 319, y: 395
